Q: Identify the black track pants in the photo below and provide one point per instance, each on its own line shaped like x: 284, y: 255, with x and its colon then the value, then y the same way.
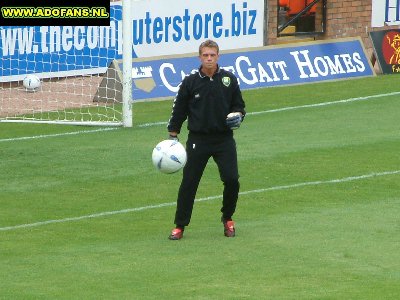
x: 200, y: 148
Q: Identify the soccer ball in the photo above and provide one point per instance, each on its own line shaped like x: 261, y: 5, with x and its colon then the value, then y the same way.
x: 31, y: 82
x: 169, y: 156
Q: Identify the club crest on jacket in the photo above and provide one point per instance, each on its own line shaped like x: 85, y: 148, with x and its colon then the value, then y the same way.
x: 226, y: 81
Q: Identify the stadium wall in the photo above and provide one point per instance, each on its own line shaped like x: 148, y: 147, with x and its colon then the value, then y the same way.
x: 344, y: 18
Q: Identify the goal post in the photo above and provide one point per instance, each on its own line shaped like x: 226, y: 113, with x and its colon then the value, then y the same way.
x: 127, y: 45
x: 80, y: 80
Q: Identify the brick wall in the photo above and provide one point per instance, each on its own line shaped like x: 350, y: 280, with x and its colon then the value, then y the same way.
x: 349, y: 19
x: 344, y: 18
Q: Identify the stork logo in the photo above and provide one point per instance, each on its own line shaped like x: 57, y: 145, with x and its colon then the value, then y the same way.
x: 143, y: 78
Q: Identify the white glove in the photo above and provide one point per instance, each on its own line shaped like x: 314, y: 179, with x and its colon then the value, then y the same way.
x: 233, y: 120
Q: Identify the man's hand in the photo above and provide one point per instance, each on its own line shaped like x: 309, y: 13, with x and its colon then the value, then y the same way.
x: 233, y: 120
x: 173, y: 136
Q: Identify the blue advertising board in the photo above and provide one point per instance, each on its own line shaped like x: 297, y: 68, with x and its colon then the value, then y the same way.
x: 258, y: 67
x: 59, y: 50
x: 158, y: 28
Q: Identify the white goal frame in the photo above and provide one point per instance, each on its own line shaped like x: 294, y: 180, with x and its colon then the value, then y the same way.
x: 13, y: 91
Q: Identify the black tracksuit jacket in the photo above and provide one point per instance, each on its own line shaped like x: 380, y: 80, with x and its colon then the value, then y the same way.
x: 206, y: 102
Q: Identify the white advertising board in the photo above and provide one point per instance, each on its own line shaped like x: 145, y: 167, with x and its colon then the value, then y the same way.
x: 385, y: 13
x: 175, y: 27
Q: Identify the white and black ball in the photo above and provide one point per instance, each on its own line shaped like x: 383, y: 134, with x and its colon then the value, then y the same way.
x: 169, y: 156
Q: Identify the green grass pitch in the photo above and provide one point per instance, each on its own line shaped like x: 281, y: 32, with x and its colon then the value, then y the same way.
x: 86, y: 215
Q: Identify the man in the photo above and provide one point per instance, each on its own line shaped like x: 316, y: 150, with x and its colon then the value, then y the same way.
x: 212, y: 102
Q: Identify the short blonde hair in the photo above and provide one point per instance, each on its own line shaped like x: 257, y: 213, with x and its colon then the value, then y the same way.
x: 208, y: 44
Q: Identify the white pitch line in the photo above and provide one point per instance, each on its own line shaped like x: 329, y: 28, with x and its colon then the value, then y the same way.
x: 129, y: 210
x: 324, y: 103
x: 56, y: 134
x: 299, y: 106
x: 248, y: 114
x: 152, y: 124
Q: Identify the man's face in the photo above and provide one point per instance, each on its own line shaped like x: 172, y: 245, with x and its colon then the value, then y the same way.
x: 209, y: 58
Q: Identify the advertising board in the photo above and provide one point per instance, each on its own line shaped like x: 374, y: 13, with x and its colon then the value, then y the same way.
x: 385, y: 13
x: 159, y: 28
x: 387, y: 49
x: 258, y: 67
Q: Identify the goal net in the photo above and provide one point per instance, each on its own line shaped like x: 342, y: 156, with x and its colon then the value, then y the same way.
x: 78, y: 68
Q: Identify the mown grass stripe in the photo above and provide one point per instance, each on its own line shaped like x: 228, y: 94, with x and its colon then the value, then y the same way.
x: 136, y: 209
